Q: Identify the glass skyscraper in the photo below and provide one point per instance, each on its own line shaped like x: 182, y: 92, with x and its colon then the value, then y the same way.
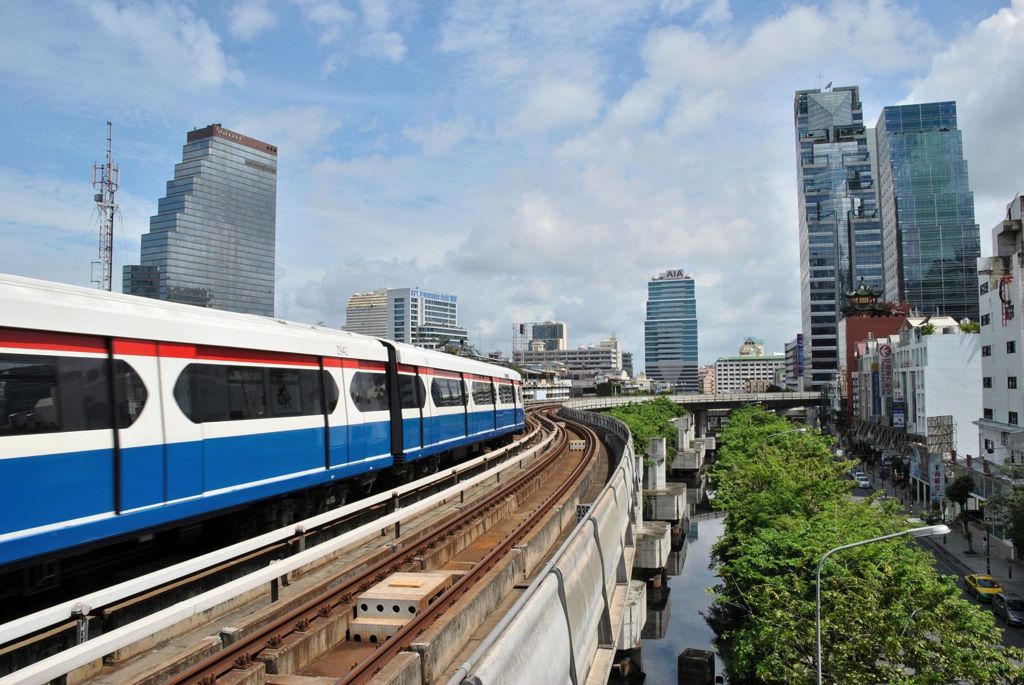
x: 670, y: 330
x: 840, y: 230
x: 928, y: 230
x: 212, y: 240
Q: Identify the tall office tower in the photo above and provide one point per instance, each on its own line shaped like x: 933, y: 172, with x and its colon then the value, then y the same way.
x: 367, y: 313
x: 211, y: 242
x: 670, y: 330
x: 931, y: 241
x: 840, y: 231
x: 424, y: 318
x: 554, y: 334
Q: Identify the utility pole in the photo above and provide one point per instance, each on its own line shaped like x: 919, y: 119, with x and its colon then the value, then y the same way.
x: 105, y: 179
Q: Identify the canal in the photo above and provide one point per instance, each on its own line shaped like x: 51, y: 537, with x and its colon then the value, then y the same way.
x: 675, y: 619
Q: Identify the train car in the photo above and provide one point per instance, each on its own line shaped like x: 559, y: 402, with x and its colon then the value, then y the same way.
x: 121, y: 414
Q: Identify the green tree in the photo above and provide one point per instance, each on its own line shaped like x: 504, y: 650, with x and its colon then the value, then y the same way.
x: 887, y: 616
x: 959, y: 491
x: 651, y: 419
x: 968, y: 326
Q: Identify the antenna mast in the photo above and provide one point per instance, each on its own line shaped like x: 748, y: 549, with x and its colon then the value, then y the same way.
x: 106, y: 179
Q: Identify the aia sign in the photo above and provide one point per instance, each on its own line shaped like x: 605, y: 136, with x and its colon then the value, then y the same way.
x: 675, y: 273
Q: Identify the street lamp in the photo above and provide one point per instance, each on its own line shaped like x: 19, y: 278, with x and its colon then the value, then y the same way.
x: 764, y: 444
x: 939, y: 529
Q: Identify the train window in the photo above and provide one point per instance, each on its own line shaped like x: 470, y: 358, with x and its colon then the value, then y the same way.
x: 369, y: 391
x: 331, y: 392
x: 483, y: 393
x: 287, y: 396
x: 505, y: 394
x: 45, y: 394
x: 212, y: 392
x: 129, y: 392
x: 447, y: 392
x: 412, y: 391
x: 202, y: 393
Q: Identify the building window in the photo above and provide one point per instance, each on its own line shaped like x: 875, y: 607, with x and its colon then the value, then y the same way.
x: 990, y: 446
x: 986, y: 382
x: 987, y: 413
x: 983, y: 288
x: 1011, y: 382
x: 986, y: 350
x: 1012, y: 418
x: 1011, y: 346
x: 986, y: 319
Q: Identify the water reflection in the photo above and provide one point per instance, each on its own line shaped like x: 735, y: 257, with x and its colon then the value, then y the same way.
x: 681, y: 597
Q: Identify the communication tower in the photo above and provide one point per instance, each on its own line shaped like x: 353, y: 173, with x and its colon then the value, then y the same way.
x: 106, y: 179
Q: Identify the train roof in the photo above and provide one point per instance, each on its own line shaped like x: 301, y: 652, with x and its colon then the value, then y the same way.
x: 34, y: 304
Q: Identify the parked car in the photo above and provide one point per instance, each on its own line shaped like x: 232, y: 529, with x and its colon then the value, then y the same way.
x: 983, y: 587
x: 1009, y: 607
x: 863, y: 481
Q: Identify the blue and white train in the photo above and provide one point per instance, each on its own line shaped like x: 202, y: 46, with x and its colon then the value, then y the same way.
x: 121, y: 414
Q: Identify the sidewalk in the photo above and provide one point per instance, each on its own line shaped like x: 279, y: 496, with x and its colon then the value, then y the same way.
x: 953, y: 547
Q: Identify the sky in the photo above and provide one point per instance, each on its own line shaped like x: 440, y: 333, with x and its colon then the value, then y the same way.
x: 540, y: 160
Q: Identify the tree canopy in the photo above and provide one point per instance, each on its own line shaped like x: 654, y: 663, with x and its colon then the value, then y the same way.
x: 887, y: 616
x: 651, y: 419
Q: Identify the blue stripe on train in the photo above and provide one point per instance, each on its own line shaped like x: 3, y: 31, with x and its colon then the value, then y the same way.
x: 49, y: 489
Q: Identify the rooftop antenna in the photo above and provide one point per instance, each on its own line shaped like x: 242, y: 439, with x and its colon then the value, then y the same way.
x: 106, y: 179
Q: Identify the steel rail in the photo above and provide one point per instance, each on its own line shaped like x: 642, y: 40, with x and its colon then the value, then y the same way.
x: 405, y: 637
x: 241, y: 653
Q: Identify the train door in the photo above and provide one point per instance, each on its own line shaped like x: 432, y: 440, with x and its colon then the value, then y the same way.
x: 57, y: 456
x: 180, y: 377
x: 139, y: 422
x: 412, y: 398
x: 369, y: 416
x: 494, y: 403
x: 337, y: 418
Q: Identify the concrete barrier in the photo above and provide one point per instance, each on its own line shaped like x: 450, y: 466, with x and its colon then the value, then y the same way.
x: 561, y: 630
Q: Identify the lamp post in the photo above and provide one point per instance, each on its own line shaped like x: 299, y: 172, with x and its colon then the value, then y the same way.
x: 940, y: 529
x: 764, y: 444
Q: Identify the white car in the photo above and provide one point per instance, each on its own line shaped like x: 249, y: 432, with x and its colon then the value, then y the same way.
x: 862, y: 481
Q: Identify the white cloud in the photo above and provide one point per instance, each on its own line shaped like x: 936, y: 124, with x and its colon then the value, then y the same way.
x: 558, y: 103
x: 151, y: 55
x: 250, y: 17
x: 381, y: 41
x: 296, y: 131
x: 716, y: 12
x: 440, y: 139
x: 982, y: 71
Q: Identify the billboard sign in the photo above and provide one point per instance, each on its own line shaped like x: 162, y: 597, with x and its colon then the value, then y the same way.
x: 937, y: 477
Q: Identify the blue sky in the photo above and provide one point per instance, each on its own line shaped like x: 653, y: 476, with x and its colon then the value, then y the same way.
x: 538, y: 159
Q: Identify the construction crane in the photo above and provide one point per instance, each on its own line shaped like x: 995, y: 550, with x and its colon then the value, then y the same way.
x: 105, y: 179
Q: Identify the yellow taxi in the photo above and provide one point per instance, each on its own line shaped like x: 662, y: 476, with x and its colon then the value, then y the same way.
x: 983, y: 587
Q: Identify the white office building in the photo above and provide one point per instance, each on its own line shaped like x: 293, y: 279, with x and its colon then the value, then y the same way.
x: 740, y: 373
x: 1000, y: 430
x: 424, y: 318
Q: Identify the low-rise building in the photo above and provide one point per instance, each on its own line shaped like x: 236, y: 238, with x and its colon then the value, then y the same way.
x: 734, y: 374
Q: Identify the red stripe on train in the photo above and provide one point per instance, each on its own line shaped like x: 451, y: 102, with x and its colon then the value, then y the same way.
x: 56, y: 342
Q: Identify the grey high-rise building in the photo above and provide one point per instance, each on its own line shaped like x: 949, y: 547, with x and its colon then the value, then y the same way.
x: 931, y: 241
x: 553, y: 334
x: 212, y: 240
x: 840, y: 230
x: 670, y: 330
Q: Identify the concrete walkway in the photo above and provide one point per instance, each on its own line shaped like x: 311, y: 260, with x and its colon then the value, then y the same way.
x: 953, y: 547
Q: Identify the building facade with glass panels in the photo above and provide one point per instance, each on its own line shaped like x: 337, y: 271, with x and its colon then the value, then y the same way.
x: 424, y: 318
x: 212, y: 240
x: 840, y: 229
x: 931, y: 241
x: 670, y: 330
